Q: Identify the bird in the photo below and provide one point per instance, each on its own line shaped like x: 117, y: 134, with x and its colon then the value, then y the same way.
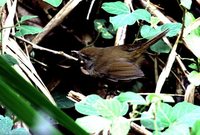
x: 116, y: 63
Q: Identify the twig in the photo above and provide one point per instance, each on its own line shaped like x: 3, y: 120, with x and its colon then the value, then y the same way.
x: 56, y: 20
x: 164, y: 20
x: 48, y: 50
x: 139, y: 129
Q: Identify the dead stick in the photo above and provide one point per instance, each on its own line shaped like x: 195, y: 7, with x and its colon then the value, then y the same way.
x: 56, y: 20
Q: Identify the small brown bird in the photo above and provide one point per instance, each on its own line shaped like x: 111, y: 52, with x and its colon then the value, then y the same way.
x: 115, y: 63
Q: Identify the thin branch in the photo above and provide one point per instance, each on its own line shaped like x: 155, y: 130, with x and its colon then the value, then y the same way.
x: 48, y: 50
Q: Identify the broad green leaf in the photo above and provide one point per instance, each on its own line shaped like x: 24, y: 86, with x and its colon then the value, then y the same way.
x: 182, y: 114
x: 186, y: 3
x: 120, y: 126
x: 142, y: 14
x: 87, y: 105
x: 149, y: 32
x: 153, y: 98
x: 62, y: 101
x: 116, y: 8
x: 129, y: 18
x: 111, y: 108
x: 186, y: 113
x: 154, y: 21
x: 93, y: 124
x: 193, y: 66
x: 193, y: 41
x: 27, y: 17
x: 177, y: 129
x: 163, y: 111
x: 2, y: 3
x: 148, y: 122
x: 54, y: 3
x: 189, y: 18
x: 122, y: 20
x: 174, y: 28
x: 99, y: 24
x: 26, y: 30
x: 131, y: 97
x: 195, y: 128
x: 6, y: 125
x: 160, y: 47
x: 194, y: 78
x: 105, y: 34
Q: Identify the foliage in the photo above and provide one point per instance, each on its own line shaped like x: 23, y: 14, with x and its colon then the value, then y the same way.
x: 99, y: 25
x: 186, y: 3
x: 54, y: 3
x: 23, y: 30
x: 123, y: 14
x: 170, y: 119
x: 125, y: 17
x: 18, y: 95
x: 2, y: 3
x: 107, y: 114
x: 6, y: 125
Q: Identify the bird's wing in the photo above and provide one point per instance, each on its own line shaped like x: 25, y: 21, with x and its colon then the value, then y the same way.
x: 121, y: 69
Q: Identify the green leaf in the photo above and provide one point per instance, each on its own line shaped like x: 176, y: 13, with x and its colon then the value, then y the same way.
x: 142, y: 14
x: 129, y: 18
x: 195, y: 128
x: 193, y: 66
x: 177, y: 129
x: 194, y: 78
x: 54, y: 3
x: 105, y: 34
x: 186, y: 113
x: 6, y: 125
x: 120, y: 126
x: 149, y: 32
x: 93, y: 124
x: 153, y: 98
x: 189, y: 18
x: 122, y: 20
x: 27, y: 17
x: 154, y: 21
x: 163, y: 111
x: 183, y: 114
x: 2, y: 3
x: 174, y: 28
x: 111, y: 108
x: 131, y: 97
x: 17, y: 95
x: 26, y: 30
x: 9, y: 59
x: 193, y: 41
x: 62, y: 101
x: 87, y: 105
x: 99, y: 24
x: 116, y: 8
x: 186, y: 3
x: 160, y: 47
